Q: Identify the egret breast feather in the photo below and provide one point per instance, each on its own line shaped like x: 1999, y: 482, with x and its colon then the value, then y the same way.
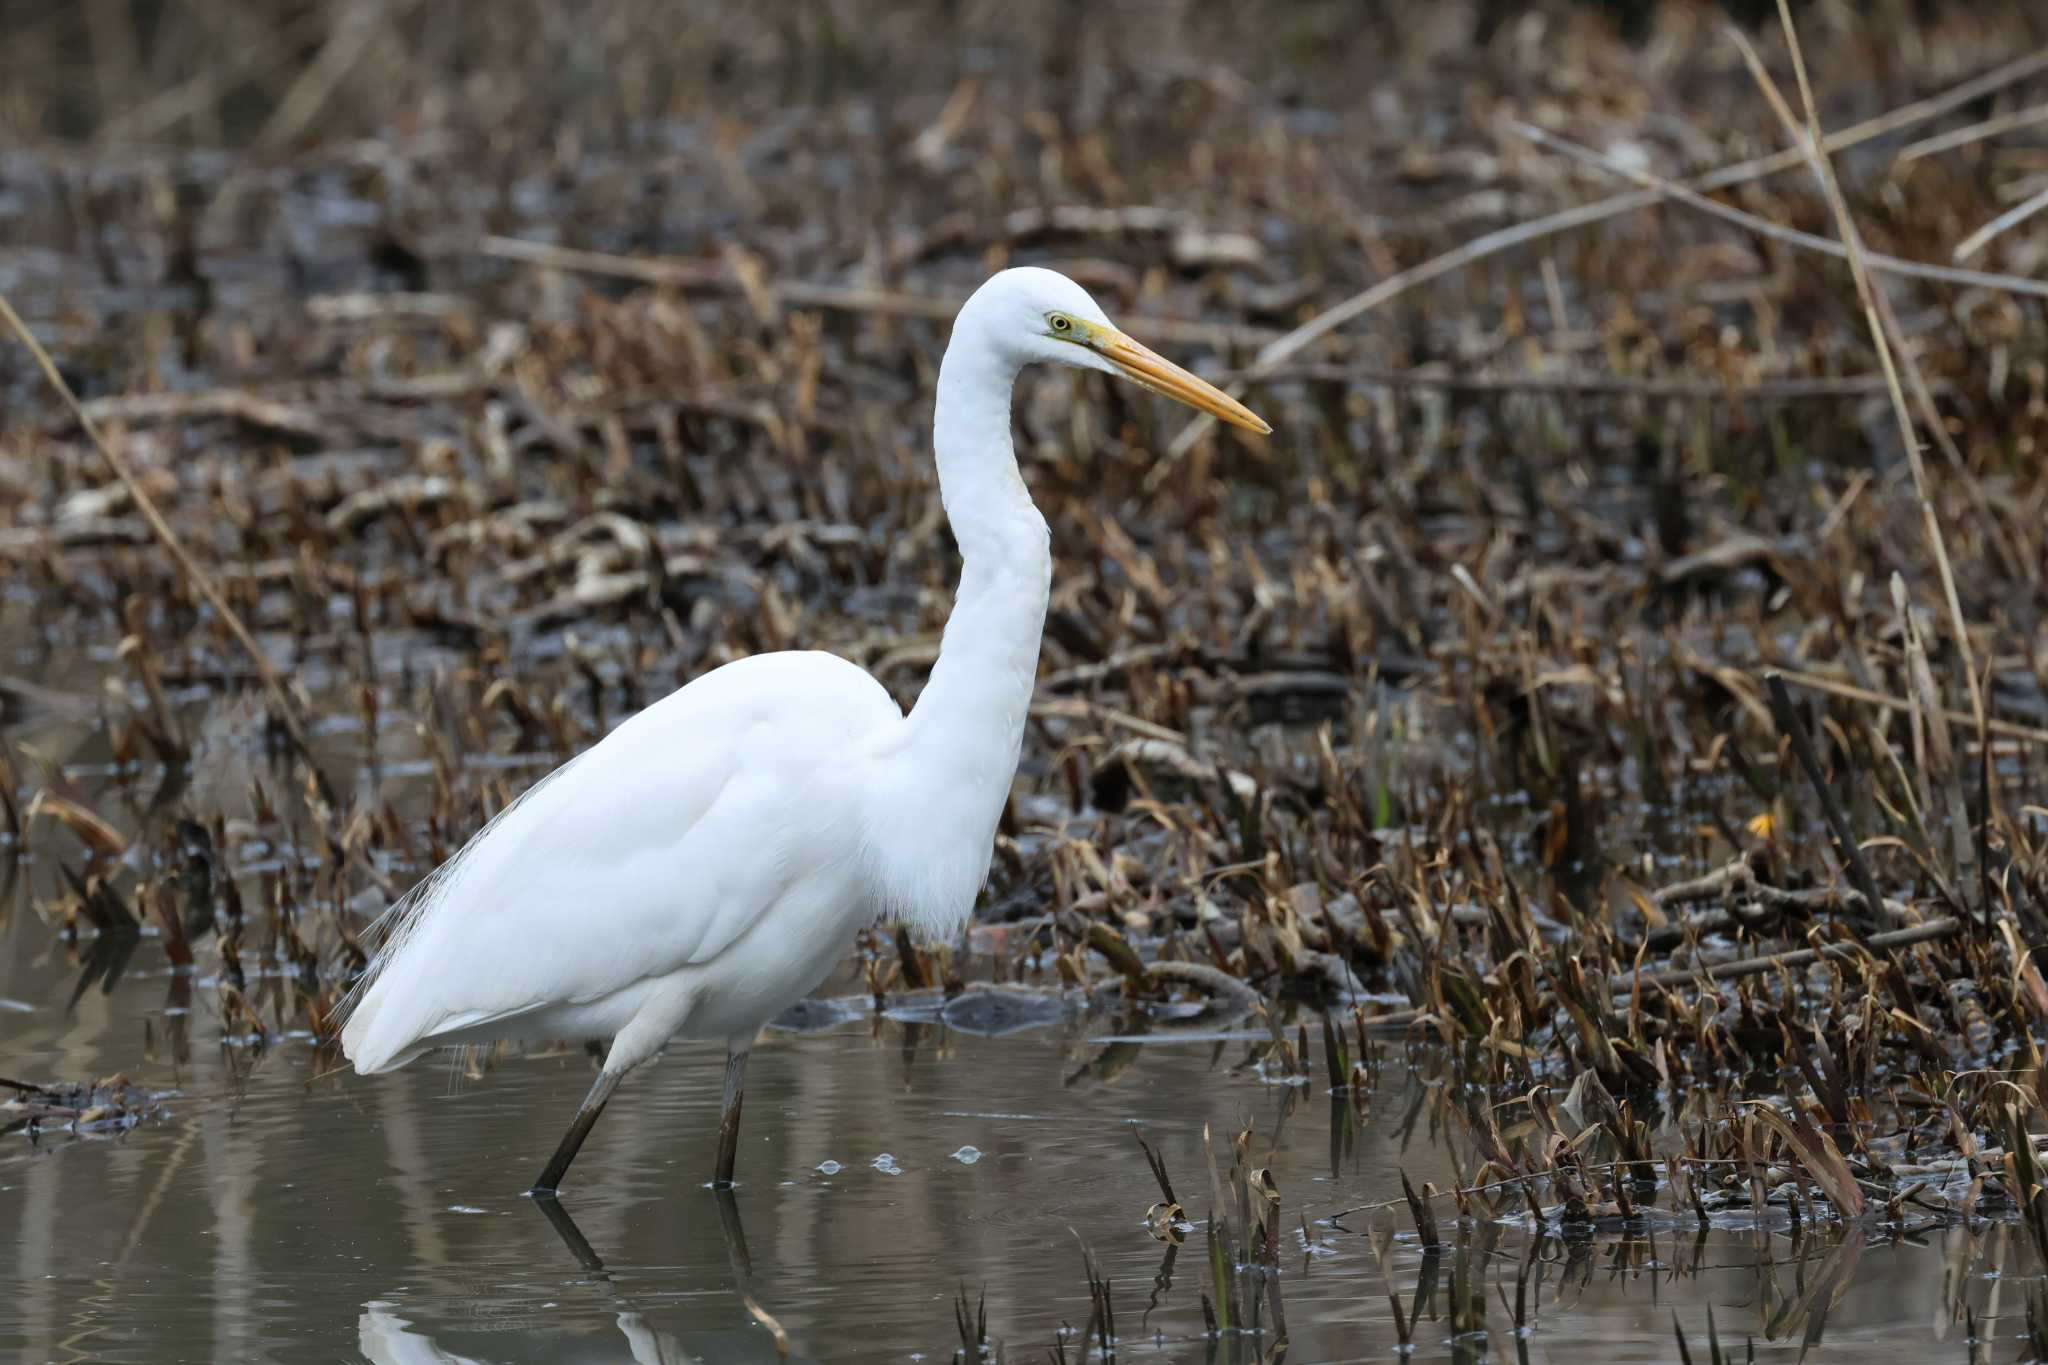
x: 704, y: 865
x: 597, y: 881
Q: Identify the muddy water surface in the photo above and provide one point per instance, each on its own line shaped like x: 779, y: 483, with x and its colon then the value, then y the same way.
x: 266, y: 1213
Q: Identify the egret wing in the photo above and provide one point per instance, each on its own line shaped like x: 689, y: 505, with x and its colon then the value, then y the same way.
x: 656, y: 849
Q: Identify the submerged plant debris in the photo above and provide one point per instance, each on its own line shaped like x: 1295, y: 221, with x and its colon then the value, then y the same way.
x: 1608, y: 685
x: 111, y: 1105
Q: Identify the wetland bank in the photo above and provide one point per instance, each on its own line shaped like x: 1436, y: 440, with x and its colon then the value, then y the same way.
x: 1413, y: 847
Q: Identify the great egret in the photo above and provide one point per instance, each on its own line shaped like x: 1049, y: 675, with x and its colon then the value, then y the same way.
x: 705, y: 865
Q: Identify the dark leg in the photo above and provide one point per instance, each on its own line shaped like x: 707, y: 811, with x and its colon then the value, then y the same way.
x: 579, y: 1129
x: 729, y: 1117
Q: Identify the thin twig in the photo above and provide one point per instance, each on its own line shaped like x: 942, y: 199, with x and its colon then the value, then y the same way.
x: 2011, y: 218
x: 1876, y: 313
x: 288, y: 712
x: 1801, y: 957
x: 1915, y: 381
x: 719, y: 277
x: 1974, y: 132
x: 1816, y: 682
x: 1584, y: 215
x: 356, y: 29
x: 1768, y: 390
x: 1890, y: 265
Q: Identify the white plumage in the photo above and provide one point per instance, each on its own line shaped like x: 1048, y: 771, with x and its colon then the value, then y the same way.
x: 607, y: 891
x: 707, y: 863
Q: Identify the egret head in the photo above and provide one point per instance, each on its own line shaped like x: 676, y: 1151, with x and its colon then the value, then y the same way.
x: 1042, y: 315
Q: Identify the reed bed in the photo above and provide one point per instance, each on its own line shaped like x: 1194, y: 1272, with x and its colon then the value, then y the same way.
x: 1618, y: 685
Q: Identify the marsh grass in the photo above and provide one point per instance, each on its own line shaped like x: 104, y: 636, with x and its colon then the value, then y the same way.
x: 1592, y: 695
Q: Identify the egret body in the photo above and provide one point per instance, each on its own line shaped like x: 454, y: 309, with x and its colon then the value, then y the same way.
x: 708, y: 862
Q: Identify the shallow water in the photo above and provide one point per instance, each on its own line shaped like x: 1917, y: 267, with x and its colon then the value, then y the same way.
x: 269, y: 1214
x: 277, y: 1208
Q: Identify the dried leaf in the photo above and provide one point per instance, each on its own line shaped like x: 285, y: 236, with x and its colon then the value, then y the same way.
x: 1818, y: 1153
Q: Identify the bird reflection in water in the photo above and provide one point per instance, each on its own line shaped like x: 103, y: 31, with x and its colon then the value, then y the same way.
x: 387, y: 1333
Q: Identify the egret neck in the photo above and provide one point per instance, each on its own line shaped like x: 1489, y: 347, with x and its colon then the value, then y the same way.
x: 963, y: 737
x: 707, y: 863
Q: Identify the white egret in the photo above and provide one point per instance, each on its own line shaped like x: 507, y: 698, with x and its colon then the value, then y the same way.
x: 706, y: 865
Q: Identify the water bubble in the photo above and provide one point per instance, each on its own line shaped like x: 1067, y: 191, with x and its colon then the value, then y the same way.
x: 967, y: 1156
x: 829, y: 1167
x: 886, y: 1164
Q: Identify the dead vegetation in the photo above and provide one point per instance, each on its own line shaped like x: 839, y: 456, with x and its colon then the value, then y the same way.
x: 1593, y: 685
x: 99, y: 1108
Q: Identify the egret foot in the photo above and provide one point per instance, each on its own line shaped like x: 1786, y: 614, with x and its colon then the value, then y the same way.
x: 579, y: 1129
x: 729, y: 1117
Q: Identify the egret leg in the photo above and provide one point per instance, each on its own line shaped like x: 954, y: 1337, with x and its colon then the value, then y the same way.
x: 729, y: 1116
x: 579, y: 1129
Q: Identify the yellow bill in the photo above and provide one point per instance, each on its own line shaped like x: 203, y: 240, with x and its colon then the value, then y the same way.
x: 1143, y: 365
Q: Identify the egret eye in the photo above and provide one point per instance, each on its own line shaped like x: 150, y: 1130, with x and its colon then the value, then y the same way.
x: 750, y: 837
